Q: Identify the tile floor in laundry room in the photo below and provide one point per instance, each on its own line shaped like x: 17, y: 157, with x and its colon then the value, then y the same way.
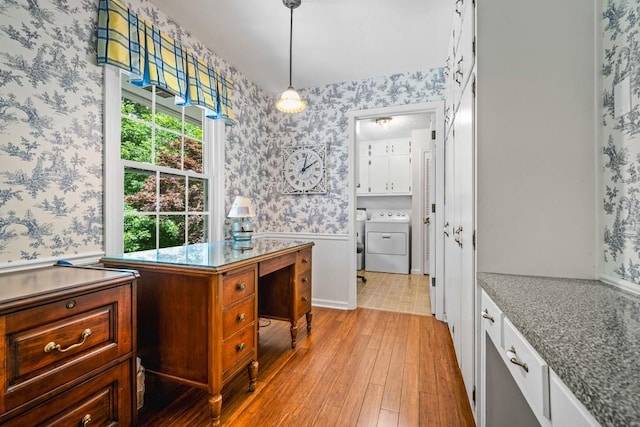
x: 405, y: 293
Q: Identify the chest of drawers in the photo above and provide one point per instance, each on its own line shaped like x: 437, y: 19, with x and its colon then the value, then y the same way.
x: 68, y: 347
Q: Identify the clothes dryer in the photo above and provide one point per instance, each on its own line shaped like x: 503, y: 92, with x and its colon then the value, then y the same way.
x: 387, y: 236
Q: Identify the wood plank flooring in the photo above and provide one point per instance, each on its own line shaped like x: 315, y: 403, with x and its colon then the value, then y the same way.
x: 357, y: 368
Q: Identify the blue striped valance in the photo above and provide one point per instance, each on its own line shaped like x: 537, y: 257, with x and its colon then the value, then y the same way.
x: 152, y: 57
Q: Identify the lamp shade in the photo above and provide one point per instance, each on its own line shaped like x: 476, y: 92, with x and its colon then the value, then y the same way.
x: 241, y: 208
x: 290, y: 102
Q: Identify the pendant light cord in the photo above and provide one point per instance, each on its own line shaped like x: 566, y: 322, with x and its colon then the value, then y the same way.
x: 290, y: 46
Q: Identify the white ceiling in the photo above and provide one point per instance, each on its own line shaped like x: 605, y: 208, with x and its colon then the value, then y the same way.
x: 333, y: 40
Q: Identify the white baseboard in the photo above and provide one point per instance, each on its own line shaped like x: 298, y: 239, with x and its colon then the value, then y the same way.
x: 621, y: 283
x: 330, y: 304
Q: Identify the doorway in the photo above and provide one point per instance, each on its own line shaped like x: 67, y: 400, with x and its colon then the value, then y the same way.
x: 378, y: 138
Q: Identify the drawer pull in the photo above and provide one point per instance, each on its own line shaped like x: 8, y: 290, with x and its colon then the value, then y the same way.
x: 241, y: 317
x: 241, y: 286
x: 305, y: 299
x: 486, y: 315
x: 304, y: 280
x: 70, y: 304
x: 86, y: 420
x: 305, y: 261
x: 240, y: 347
x: 53, y: 346
x: 513, y: 358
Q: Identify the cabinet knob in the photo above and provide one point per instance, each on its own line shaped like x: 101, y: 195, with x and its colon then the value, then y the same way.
x: 51, y: 346
x: 305, y: 299
x: 304, y: 280
x: 305, y: 261
x: 86, y: 420
x: 486, y: 315
x: 241, y: 286
x: 241, y: 318
x: 240, y: 347
x: 513, y: 358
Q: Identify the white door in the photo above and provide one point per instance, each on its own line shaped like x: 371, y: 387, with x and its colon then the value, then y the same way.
x: 428, y: 240
x: 451, y: 256
x: 464, y: 147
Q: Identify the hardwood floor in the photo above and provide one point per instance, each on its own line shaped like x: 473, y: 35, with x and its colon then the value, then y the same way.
x: 357, y: 368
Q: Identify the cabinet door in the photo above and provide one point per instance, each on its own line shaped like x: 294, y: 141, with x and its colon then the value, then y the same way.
x: 378, y: 173
x: 400, y: 173
x: 399, y: 146
x: 362, y: 187
x: 378, y: 148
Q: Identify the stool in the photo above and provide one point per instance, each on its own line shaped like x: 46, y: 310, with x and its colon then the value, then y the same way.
x: 359, y: 249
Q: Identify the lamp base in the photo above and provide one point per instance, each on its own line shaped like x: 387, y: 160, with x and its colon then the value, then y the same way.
x: 242, y: 236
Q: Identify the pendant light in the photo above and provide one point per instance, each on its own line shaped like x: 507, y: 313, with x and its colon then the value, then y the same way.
x: 290, y: 101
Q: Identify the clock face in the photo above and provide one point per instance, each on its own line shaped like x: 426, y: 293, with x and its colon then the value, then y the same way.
x: 303, y: 170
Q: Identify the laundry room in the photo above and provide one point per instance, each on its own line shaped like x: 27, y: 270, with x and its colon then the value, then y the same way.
x: 392, y: 189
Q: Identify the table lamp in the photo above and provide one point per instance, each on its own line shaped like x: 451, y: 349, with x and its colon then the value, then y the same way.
x: 241, y: 212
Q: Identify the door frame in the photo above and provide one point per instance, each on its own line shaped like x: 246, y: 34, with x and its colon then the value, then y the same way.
x: 437, y: 108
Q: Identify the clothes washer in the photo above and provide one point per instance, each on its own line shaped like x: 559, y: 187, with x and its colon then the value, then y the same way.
x: 387, y: 236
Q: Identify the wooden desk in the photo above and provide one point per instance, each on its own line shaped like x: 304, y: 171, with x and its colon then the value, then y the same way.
x: 198, y: 307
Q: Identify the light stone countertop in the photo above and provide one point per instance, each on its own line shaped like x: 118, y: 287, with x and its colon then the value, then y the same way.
x: 587, y: 331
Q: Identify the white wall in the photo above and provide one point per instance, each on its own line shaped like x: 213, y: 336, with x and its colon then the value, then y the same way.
x: 536, y: 109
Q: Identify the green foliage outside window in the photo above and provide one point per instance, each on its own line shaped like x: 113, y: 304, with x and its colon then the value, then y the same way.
x: 140, y: 188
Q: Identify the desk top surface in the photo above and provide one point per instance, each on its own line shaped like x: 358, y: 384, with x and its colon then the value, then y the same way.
x: 210, y: 255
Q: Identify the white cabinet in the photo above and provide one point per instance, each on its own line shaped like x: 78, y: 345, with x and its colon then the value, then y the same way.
x: 384, y: 167
x: 518, y: 388
x: 459, y: 271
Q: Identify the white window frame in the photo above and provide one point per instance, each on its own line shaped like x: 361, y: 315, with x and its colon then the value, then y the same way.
x: 114, y: 166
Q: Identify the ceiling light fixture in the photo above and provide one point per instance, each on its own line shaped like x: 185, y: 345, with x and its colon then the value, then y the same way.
x: 290, y: 101
x: 383, y: 121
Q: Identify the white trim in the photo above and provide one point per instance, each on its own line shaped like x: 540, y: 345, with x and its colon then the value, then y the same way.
x: 435, y: 107
x: 302, y: 236
x: 113, y: 220
x: 623, y: 284
x: 598, y: 141
x: 215, y: 154
x: 330, y: 304
x: 80, y: 259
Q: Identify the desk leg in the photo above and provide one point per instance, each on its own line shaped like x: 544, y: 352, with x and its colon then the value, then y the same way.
x: 309, y: 316
x: 253, y: 374
x: 294, y: 333
x: 215, y: 404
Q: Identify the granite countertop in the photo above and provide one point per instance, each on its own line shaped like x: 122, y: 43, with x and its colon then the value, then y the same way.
x: 587, y: 331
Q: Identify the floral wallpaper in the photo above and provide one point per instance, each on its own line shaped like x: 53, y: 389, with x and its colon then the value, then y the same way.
x: 51, y: 112
x: 621, y: 144
x: 323, y: 122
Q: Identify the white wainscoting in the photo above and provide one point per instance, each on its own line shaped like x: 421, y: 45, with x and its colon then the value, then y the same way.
x: 332, y: 274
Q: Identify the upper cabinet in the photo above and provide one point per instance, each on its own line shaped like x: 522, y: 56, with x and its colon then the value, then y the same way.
x: 384, y: 167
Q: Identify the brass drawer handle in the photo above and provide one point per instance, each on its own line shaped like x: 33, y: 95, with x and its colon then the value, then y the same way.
x: 305, y: 299
x: 513, y: 358
x: 486, y: 315
x: 53, y: 346
x: 241, y: 286
x: 86, y: 420
x: 240, y: 347
x: 241, y: 317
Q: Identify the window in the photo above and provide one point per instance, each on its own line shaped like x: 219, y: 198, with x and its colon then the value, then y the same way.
x: 159, y: 170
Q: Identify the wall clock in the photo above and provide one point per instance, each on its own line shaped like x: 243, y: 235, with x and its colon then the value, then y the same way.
x: 304, y: 169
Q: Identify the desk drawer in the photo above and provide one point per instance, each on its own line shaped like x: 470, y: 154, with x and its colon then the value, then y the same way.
x: 304, y: 292
x: 238, y: 346
x: 527, y: 368
x: 275, y: 264
x: 103, y: 400
x: 492, y: 319
x: 237, y: 316
x: 238, y: 285
x: 54, y: 344
x: 303, y: 260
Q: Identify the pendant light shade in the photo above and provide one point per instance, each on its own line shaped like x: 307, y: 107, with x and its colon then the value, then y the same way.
x: 290, y: 101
